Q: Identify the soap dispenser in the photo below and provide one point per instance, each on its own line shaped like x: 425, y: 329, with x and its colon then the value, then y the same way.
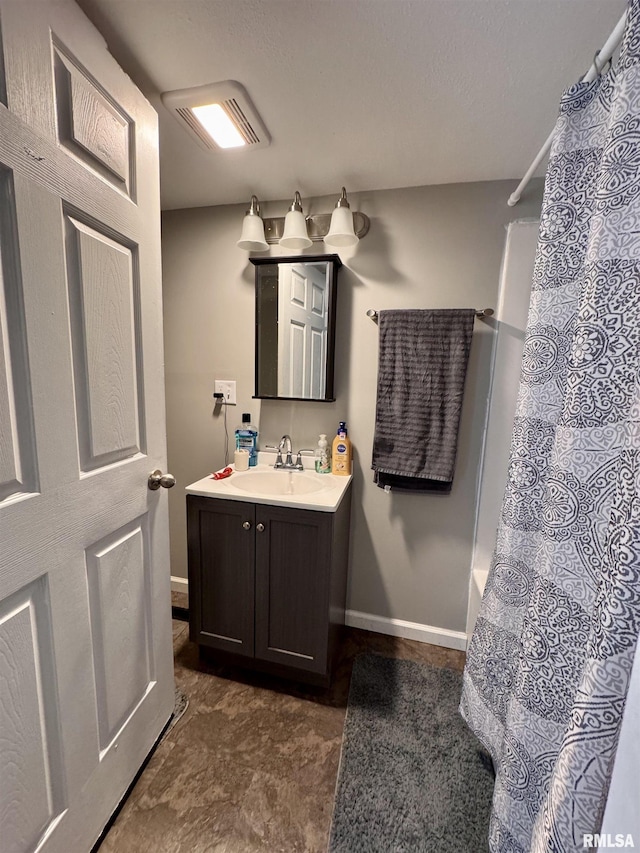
x: 323, y: 458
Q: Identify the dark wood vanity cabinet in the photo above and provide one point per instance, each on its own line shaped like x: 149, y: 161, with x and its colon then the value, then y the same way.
x: 267, y: 584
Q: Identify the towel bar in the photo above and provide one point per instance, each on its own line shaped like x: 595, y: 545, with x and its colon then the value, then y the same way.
x: 480, y: 312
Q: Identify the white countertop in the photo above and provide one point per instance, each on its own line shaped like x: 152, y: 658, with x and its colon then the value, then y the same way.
x: 327, y: 499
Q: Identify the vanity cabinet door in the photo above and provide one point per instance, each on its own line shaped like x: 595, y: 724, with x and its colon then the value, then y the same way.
x: 221, y: 573
x: 293, y: 563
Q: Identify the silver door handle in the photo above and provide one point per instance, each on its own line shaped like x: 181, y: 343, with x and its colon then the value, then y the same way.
x: 157, y: 479
x: 246, y: 525
x: 260, y: 527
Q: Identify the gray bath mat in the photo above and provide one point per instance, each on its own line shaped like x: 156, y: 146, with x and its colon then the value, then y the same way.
x: 412, y: 777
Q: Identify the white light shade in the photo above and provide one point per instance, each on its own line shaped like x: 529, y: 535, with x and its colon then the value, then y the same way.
x: 252, y: 237
x: 295, y: 231
x: 341, y: 231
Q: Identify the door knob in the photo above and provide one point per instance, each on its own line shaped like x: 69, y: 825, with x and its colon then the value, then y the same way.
x: 157, y: 479
x: 246, y: 525
x: 260, y: 527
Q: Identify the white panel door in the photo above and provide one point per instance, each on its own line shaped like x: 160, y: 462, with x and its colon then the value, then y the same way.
x: 302, y: 330
x: 86, y: 670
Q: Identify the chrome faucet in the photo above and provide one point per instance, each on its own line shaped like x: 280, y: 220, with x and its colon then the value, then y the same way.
x: 285, y: 444
x: 288, y: 464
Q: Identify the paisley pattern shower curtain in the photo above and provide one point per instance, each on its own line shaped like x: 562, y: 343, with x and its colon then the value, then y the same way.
x: 549, y: 662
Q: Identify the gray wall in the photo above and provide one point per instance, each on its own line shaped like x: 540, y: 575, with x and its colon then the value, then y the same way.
x: 428, y: 247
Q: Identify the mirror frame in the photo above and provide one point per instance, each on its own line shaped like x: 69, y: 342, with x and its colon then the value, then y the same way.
x: 334, y: 264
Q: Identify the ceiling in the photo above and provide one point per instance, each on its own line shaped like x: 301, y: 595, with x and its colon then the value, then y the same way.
x: 372, y: 94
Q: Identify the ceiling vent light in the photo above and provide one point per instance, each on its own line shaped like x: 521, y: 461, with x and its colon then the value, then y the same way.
x: 219, y: 116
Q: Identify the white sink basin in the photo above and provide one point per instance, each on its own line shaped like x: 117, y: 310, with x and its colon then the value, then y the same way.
x: 264, y: 485
x: 278, y: 482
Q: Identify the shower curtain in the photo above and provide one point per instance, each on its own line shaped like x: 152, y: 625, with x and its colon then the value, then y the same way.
x: 549, y: 662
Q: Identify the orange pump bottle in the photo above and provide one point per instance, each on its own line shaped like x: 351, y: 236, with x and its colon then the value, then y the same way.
x: 341, y: 452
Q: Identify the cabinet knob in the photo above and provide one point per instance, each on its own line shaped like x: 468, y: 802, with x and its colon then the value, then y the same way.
x: 246, y: 525
x: 260, y: 527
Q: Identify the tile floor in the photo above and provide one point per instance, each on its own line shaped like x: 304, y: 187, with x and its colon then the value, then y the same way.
x: 252, y: 764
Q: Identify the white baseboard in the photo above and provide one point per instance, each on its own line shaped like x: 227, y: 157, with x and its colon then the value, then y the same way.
x: 179, y: 584
x: 408, y: 630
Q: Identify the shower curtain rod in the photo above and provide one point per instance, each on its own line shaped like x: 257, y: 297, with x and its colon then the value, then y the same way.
x: 480, y: 312
x: 599, y: 61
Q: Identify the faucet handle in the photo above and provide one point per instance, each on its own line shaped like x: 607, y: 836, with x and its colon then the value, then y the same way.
x: 278, y: 463
x: 299, y: 464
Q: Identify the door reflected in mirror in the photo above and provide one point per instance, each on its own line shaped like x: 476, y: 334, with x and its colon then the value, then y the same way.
x: 295, y: 326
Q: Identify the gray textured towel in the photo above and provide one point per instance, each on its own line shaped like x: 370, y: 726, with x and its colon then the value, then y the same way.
x: 421, y: 371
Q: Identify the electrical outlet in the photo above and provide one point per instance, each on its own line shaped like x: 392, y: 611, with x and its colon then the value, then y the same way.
x: 227, y: 387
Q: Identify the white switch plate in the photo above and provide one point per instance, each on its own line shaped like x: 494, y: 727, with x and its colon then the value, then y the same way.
x: 227, y: 387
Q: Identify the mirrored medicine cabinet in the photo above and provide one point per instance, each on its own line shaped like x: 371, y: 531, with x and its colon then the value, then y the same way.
x: 296, y: 327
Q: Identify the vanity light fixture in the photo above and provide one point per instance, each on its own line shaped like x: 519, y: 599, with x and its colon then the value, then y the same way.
x: 295, y: 227
x: 252, y: 237
x: 341, y: 231
x: 341, y: 228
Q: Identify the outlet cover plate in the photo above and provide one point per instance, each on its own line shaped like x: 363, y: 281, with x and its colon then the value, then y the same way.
x: 227, y: 387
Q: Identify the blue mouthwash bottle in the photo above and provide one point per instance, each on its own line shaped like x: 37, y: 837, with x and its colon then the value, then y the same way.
x: 247, y: 439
